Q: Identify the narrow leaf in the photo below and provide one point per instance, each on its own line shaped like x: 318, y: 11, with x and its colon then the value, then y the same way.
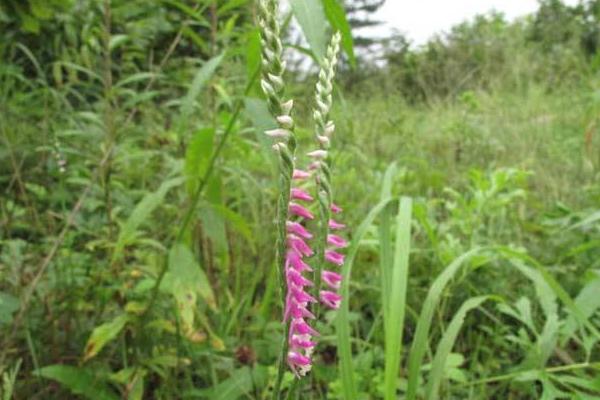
x: 103, y: 334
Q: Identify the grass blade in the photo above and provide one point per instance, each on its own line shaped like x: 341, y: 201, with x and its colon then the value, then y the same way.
x: 419, y: 345
x: 397, y: 301
x: 446, y: 343
x: 342, y: 322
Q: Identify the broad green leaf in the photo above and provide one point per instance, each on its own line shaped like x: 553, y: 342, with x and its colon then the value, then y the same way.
x: 187, y: 275
x: 337, y: 18
x: 80, y: 381
x: 311, y: 17
x: 103, y: 334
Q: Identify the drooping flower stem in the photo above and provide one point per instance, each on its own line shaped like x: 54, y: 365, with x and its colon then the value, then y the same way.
x: 324, y: 128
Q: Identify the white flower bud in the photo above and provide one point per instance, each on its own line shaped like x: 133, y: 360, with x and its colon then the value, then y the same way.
x: 279, y: 147
x: 286, y: 107
x: 285, y: 121
x: 266, y: 87
x: 323, y: 140
x: 276, y: 80
x: 278, y: 133
x: 329, y: 128
x: 318, y: 154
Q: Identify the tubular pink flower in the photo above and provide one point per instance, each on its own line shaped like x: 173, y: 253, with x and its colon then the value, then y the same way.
x: 335, y: 208
x: 332, y: 279
x: 300, y: 211
x: 334, y: 257
x: 296, y: 310
x: 296, y: 359
x: 337, y: 241
x: 299, y: 194
x: 300, y: 327
x: 331, y: 299
x: 298, y: 230
x: 335, y: 225
x: 294, y: 260
x: 300, y: 341
x: 296, y: 278
x: 299, y: 174
x: 300, y: 296
x: 299, y: 245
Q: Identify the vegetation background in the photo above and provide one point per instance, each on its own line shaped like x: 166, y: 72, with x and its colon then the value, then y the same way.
x: 137, y: 198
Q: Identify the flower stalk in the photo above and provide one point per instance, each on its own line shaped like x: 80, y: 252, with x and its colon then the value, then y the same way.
x: 327, y: 243
x: 298, y: 293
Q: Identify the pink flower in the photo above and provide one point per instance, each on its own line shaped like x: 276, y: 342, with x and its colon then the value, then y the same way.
x: 337, y: 241
x: 335, y: 208
x: 299, y: 194
x: 332, y: 279
x: 297, y: 359
x: 294, y: 260
x: 334, y: 257
x: 300, y: 211
x: 299, y: 245
x: 295, y: 277
x: 299, y: 174
x: 299, y: 230
x: 300, y: 341
x: 300, y: 327
x: 331, y: 299
x: 335, y: 225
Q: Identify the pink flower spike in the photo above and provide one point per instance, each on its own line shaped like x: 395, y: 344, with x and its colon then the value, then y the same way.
x: 331, y: 299
x: 300, y: 211
x: 332, y: 279
x: 337, y: 241
x: 296, y: 359
x: 299, y: 174
x: 335, y: 208
x: 335, y: 225
x: 299, y: 245
x: 299, y: 194
x: 298, y: 229
x: 334, y: 257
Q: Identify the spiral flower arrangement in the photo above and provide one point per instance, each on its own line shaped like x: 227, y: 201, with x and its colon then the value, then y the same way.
x: 294, y: 241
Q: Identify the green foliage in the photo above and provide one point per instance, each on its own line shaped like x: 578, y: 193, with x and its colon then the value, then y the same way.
x: 137, y: 192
